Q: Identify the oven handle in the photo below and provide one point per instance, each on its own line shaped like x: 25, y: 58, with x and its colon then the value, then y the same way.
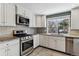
x: 22, y: 41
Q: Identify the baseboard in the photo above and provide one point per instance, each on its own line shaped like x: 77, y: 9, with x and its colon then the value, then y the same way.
x: 56, y: 50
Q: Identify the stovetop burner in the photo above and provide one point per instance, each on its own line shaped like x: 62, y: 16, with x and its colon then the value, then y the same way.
x: 22, y: 35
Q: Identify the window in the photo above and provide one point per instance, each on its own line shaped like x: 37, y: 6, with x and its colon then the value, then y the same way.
x: 60, y: 24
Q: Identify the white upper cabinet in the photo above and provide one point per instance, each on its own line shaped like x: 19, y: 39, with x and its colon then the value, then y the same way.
x: 23, y: 12
x: 27, y: 14
x: 7, y: 15
x: 2, y: 19
x: 75, y: 18
x: 35, y: 20
x: 32, y: 21
x: 10, y: 15
x: 43, y: 21
x: 20, y: 11
x: 40, y: 20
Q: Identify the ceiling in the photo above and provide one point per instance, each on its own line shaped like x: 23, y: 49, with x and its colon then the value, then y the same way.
x: 48, y: 8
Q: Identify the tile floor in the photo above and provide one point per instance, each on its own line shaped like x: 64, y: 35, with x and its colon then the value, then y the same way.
x: 40, y: 51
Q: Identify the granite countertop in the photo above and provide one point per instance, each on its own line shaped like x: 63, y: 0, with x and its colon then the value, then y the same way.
x: 7, y: 38
x: 71, y: 35
x: 58, y: 35
x: 61, y: 35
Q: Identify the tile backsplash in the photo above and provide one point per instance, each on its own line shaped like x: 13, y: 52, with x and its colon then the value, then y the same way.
x: 28, y: 29
x: 41, y: 30
x: 6, y: 30
x: 9, y: 30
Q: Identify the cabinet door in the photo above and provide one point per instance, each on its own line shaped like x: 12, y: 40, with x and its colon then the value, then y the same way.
x: 2, y: 18
x: 46, y: 41
x: 32, y: 21
x: 52, y: 42
x: 2, y: 51
x: 27, y: 13
x: 13, y: 47
x: 41, y: 40
x: 75, y: 18
x: 43, y: 21
x: 3, y: 48
x: 10, y: 15
x: 36, y: 41
x: 13, y: 50
x: 38, y: 21
x: 60, y: 44
x: 20, y: 11
x: 9, y: 48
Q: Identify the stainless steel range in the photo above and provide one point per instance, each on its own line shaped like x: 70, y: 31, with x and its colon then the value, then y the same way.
x: 26, y: 42
x: 26, y: 45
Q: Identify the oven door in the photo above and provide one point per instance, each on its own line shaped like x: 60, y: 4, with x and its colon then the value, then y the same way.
x: 26, y: 47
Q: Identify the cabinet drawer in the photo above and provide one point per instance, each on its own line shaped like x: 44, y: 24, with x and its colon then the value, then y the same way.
x: 12, y: 42
x: 3, y: 44
x: 13, y: 50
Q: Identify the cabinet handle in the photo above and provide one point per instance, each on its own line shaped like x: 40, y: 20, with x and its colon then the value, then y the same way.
x: 6, y: 44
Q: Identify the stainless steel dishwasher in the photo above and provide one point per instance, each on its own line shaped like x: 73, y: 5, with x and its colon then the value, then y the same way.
x: 69, y: 45
x: 76, y: 47
x: 72, y: 46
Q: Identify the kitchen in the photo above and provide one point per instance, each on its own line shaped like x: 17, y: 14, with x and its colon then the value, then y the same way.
x: 27, y: 27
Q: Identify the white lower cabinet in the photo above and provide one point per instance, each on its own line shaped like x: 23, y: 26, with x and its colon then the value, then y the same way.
x: 60, y: 44
x: 46, y: 41
x: 9, y: 48
x: 52, y: 42
x: 3, y: 50
x: 43, y: 40
x: 57, y: 43
x: 35, y: 41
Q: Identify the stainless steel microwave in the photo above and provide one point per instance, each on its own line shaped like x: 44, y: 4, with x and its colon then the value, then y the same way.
x: 20, y: 20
